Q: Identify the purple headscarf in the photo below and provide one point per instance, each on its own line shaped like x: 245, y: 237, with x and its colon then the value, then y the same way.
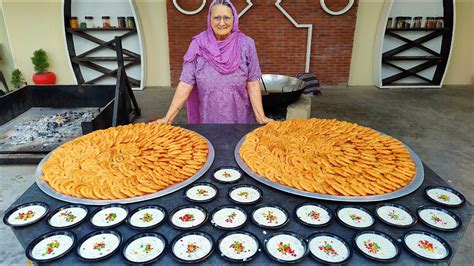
x: 224, y: 55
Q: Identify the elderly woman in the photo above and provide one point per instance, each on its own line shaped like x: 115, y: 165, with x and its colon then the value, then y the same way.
x: 220, y: 74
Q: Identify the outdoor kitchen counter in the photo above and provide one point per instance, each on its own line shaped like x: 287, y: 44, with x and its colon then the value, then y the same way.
x: 224, y: 139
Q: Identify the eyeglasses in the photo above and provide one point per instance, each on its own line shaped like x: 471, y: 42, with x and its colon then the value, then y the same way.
x: 218, y: 19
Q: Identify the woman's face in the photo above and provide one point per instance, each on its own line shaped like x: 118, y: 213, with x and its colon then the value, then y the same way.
x: 222, y: 21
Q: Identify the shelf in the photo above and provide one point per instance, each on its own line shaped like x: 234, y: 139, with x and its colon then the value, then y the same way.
x: 400, y: 57
x: 101, y: 29
x: 423, y: 29
x: 103, y: 58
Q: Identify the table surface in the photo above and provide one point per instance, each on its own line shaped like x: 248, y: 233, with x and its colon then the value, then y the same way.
x: 224, y: 139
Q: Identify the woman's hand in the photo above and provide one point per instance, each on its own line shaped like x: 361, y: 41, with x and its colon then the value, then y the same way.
x: 264, y: 120
x: 160, y: 121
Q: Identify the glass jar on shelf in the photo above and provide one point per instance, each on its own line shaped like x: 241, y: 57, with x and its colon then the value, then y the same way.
x: 90, y: 22
x: 417, y: 22
x: 121, y: 22
x: 430, y: 22
x: 439, y: 22
x: 73, y: 23
x: 399, y: 22
x: 106, y: 22
x: 389, y: 23
x: 407, y: 22
x: 130, y: 22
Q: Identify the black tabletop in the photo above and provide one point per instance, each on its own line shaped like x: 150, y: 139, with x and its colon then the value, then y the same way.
x: 224, y: 139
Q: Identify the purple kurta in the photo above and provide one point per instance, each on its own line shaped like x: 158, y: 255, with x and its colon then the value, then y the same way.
x: 218, y: 98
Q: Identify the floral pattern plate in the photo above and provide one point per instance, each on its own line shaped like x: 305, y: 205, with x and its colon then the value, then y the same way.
x: 109, y: 216
x: 270, y: 216
x: 439, y: 218
x: 192, y: 247
x: 67, y: 216
x: 201, y: 192
x: 395, y: 215
x: 227, y: 174
x: 426, y: 245
x: 238, y: 246
x: 229, y: 217
x: 329, y: 248
x: 144, y: 248
x: 445, y: 196
x: 99, y: 245
x: 355, y: 217
x: 286, y: 247
x: 314, y: 214
x: 245, y: 194
x: 147, y: 217
x: 188, y: 217
x: 377, y: 246
x: 26, y: 214
x: 51, y: 246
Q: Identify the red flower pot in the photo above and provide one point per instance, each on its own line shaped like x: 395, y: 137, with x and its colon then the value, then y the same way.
x: 47, y: 78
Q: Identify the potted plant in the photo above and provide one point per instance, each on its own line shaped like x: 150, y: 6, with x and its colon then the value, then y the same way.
x: 41, y: 65
x: 17, y: 79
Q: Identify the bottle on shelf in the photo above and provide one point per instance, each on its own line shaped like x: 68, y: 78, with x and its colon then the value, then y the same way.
x: 106, y: 22
x: 407, y: 22
x: 417, y: 22
x: 399, y: 22
x: 439, y: 22
x: 389, y: 23
x: 121, y: 22
x: 73, y: 23
x: 90, y: 22
x: 130, y: 22
x: 430, y: 22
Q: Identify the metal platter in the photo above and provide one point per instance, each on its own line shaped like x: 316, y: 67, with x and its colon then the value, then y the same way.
x: 411, y: 187
x: 50, y: 192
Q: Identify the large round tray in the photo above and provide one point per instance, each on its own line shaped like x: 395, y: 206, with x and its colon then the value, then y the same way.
x: 414, y: 184
x: 49, y: 191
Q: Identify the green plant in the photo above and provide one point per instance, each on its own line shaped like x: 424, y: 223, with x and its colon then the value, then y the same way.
x: 40, y: 61
x: 17, y: 78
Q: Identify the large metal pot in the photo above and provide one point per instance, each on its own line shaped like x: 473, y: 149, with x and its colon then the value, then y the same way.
x: 279, y: 91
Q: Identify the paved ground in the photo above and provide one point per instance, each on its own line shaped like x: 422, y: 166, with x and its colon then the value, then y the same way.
x: 437, y: 124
